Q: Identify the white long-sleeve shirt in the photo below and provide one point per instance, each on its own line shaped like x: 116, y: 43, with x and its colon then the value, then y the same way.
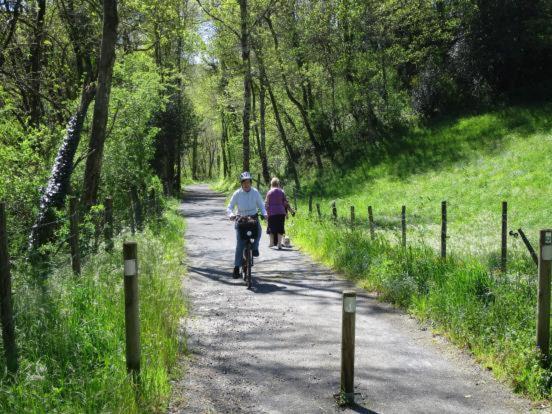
x: 248, y: 202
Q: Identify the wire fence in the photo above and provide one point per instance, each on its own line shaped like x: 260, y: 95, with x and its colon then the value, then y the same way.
x: 87, y: 235
x: 408, y: 228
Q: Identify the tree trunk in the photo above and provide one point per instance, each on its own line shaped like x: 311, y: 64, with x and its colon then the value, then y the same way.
x: 223, y: 139
x: 246, y: 62
x: 262, y: 110
x: 255, y: 121
x: 101, y: 106
x: 178, y: 157
x: 282, y: 132
x: 58, y: 186
x: 36, y: 64
x: 295, y: 101
x: 194, y: 158
x: 10, y: 31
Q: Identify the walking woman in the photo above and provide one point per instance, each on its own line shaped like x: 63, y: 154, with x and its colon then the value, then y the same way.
x: 276, y: 206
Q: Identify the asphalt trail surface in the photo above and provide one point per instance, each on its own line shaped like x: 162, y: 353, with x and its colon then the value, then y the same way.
x: 276, y: 348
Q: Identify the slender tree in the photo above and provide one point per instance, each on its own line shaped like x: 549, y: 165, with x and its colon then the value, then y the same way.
x: 101, y: 106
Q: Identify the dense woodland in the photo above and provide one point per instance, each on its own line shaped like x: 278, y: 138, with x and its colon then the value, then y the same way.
x: 99, y: 98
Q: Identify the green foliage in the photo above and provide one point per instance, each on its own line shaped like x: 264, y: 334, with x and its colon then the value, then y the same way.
x: 70, y: 331
x: 137, y: 94
x: 474, y: 163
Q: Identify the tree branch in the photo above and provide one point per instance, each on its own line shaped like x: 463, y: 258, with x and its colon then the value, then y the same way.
x: 218, y: 19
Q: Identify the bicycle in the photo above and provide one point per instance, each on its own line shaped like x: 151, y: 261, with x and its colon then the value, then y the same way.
x: 248, y: 226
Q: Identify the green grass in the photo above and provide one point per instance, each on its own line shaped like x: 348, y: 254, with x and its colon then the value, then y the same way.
x: 71, y: 338
x: 473, y: 163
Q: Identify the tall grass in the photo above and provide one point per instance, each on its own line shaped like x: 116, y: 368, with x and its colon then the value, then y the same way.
x: 490, y: 314
x: 474, y: 163
x: 70, y: 331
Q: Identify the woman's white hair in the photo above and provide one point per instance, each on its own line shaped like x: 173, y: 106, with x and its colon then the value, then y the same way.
x: 275, y: 182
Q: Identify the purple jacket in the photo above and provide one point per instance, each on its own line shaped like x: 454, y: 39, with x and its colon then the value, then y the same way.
x: 275, y: 202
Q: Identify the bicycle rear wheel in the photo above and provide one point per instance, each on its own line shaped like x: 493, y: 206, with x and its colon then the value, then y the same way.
x: 249, y: 261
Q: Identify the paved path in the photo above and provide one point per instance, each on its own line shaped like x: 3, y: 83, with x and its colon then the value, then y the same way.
x: 276, y: 349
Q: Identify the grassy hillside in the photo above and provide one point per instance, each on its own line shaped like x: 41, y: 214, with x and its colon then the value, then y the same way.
x: 473, y: 163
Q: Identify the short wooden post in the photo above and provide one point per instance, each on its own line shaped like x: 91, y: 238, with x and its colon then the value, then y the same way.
x: 334, y: 211
x: 543, y: 301
x: 352, y: 217
x: 310, y: 204
x: 132, y: 320
x: 74, y: 235
x: 504, y: 246
x: 108, y: 229
x: 97, y: 222
x: 348, y: 346
x: 529, y: 246
x: 403, y: 225
x: 318, y: 211
x: 6, y: 307
x: 131, y: 215
x: 443, y: 229
x: 371, y: 222
x: 151, y: 203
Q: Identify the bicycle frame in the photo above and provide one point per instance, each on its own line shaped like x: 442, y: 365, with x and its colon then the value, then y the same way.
x: 247, y: 262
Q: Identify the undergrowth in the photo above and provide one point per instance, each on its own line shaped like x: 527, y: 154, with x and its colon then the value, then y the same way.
x: 71, y: 334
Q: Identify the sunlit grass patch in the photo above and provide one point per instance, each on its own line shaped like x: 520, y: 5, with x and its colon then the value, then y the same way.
x: 474, y: 164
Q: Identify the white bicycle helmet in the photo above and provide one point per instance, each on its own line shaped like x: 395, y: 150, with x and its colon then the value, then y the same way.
x: 245, y: 176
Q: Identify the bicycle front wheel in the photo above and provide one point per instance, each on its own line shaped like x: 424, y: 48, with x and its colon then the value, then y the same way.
x: 249, y: 258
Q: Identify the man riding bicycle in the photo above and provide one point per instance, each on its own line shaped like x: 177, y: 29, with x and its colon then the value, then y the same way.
x: 248, y: 201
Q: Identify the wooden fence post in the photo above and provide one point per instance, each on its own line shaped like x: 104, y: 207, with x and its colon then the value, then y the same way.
x: 543, y: 304
x: 6, y: 307
x: 529, y: 246
x: 348, y: 346
x: 443, y: 229
x: 132, y: 319
x: 137, y: 207
x: 97, y: 222
x: 318, y: 211
x: 152, y: 210
x: 74, y: 236
x: 403, y: 225
x: 131, y: 215
x: 352, y: 217
x: 108, y: 229
x: 310, y: 204
x: 371, y: 222
x: 334, y: 212
x: 504, y: 246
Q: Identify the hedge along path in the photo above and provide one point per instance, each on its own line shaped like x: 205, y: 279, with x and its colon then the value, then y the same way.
x: 276, y: 349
